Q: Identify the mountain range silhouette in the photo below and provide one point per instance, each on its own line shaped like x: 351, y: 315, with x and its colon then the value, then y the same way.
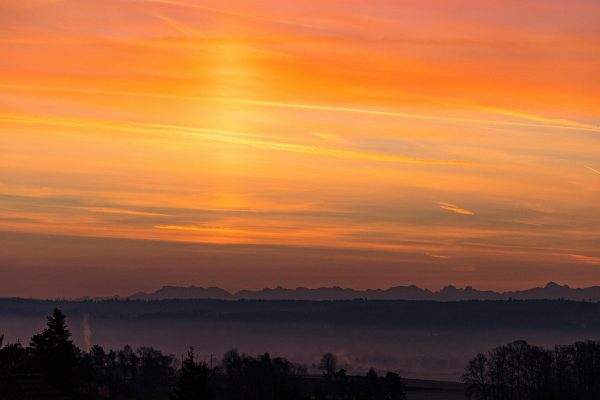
x: 551, y: 290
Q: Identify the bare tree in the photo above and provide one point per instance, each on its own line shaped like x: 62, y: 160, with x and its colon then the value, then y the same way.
x: 477, y: 378
x: 328, y: 365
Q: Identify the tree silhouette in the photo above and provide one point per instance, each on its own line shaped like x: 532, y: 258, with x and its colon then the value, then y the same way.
x: 524, y: 372
x: 232, y: 363
x: 328, y: 365
x: 54, y: 354
x: 477, y: 376
x: 192, y: 383
x: 393, y: 388
x: 341, y: 374
x: 372, y: 389
x: 55, y: 337
x: 13, y: 356
x: 154, y: 374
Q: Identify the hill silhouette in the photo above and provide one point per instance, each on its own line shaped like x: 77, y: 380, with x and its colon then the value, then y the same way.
x: 551, y: 291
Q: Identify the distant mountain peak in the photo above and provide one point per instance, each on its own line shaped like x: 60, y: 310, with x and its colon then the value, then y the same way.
x: 554, y: 285
x: 551, y: 290
x: 184, y: 292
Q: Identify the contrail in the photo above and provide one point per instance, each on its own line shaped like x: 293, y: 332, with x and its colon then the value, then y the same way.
x: 239, y: 138
x: 184, y: 29
x: 224, y: 12
x: 537, y: 118
x: 557, y: 123
x: 582, y: 127
x: 593, y: 170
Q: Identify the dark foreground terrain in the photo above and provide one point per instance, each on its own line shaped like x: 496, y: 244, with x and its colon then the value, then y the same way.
x: 47, y: 364
x: 417, y: 389
x: 418, y: 339
x: 51, y: 366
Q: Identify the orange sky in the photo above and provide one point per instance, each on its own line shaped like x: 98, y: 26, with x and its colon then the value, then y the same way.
x: 253, y: 143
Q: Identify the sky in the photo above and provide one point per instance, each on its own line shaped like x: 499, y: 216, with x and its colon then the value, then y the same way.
x: 255, y: 143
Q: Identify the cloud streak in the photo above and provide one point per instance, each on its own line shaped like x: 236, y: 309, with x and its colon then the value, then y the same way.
x: 586, y: 259
x: 455, y: 209
x: 239, y: 138
x: 194, y: 228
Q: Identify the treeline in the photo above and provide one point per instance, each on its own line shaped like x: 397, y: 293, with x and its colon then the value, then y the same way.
x: 148, y: 374
x: 520, y: 371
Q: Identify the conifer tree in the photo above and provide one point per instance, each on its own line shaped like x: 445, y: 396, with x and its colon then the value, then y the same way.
x: 193, y: 380
x: 54, y: 354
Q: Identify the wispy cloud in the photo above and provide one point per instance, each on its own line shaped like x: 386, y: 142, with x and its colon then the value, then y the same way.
x: 110, y: 210
x: 195, y: 228
x: 441, y: 256
x: 240, y: 138
x: 455, y: 209
x: 544, y: 122
x: 586, y: 259
x: 328, y: 137
x: 563, y: 125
